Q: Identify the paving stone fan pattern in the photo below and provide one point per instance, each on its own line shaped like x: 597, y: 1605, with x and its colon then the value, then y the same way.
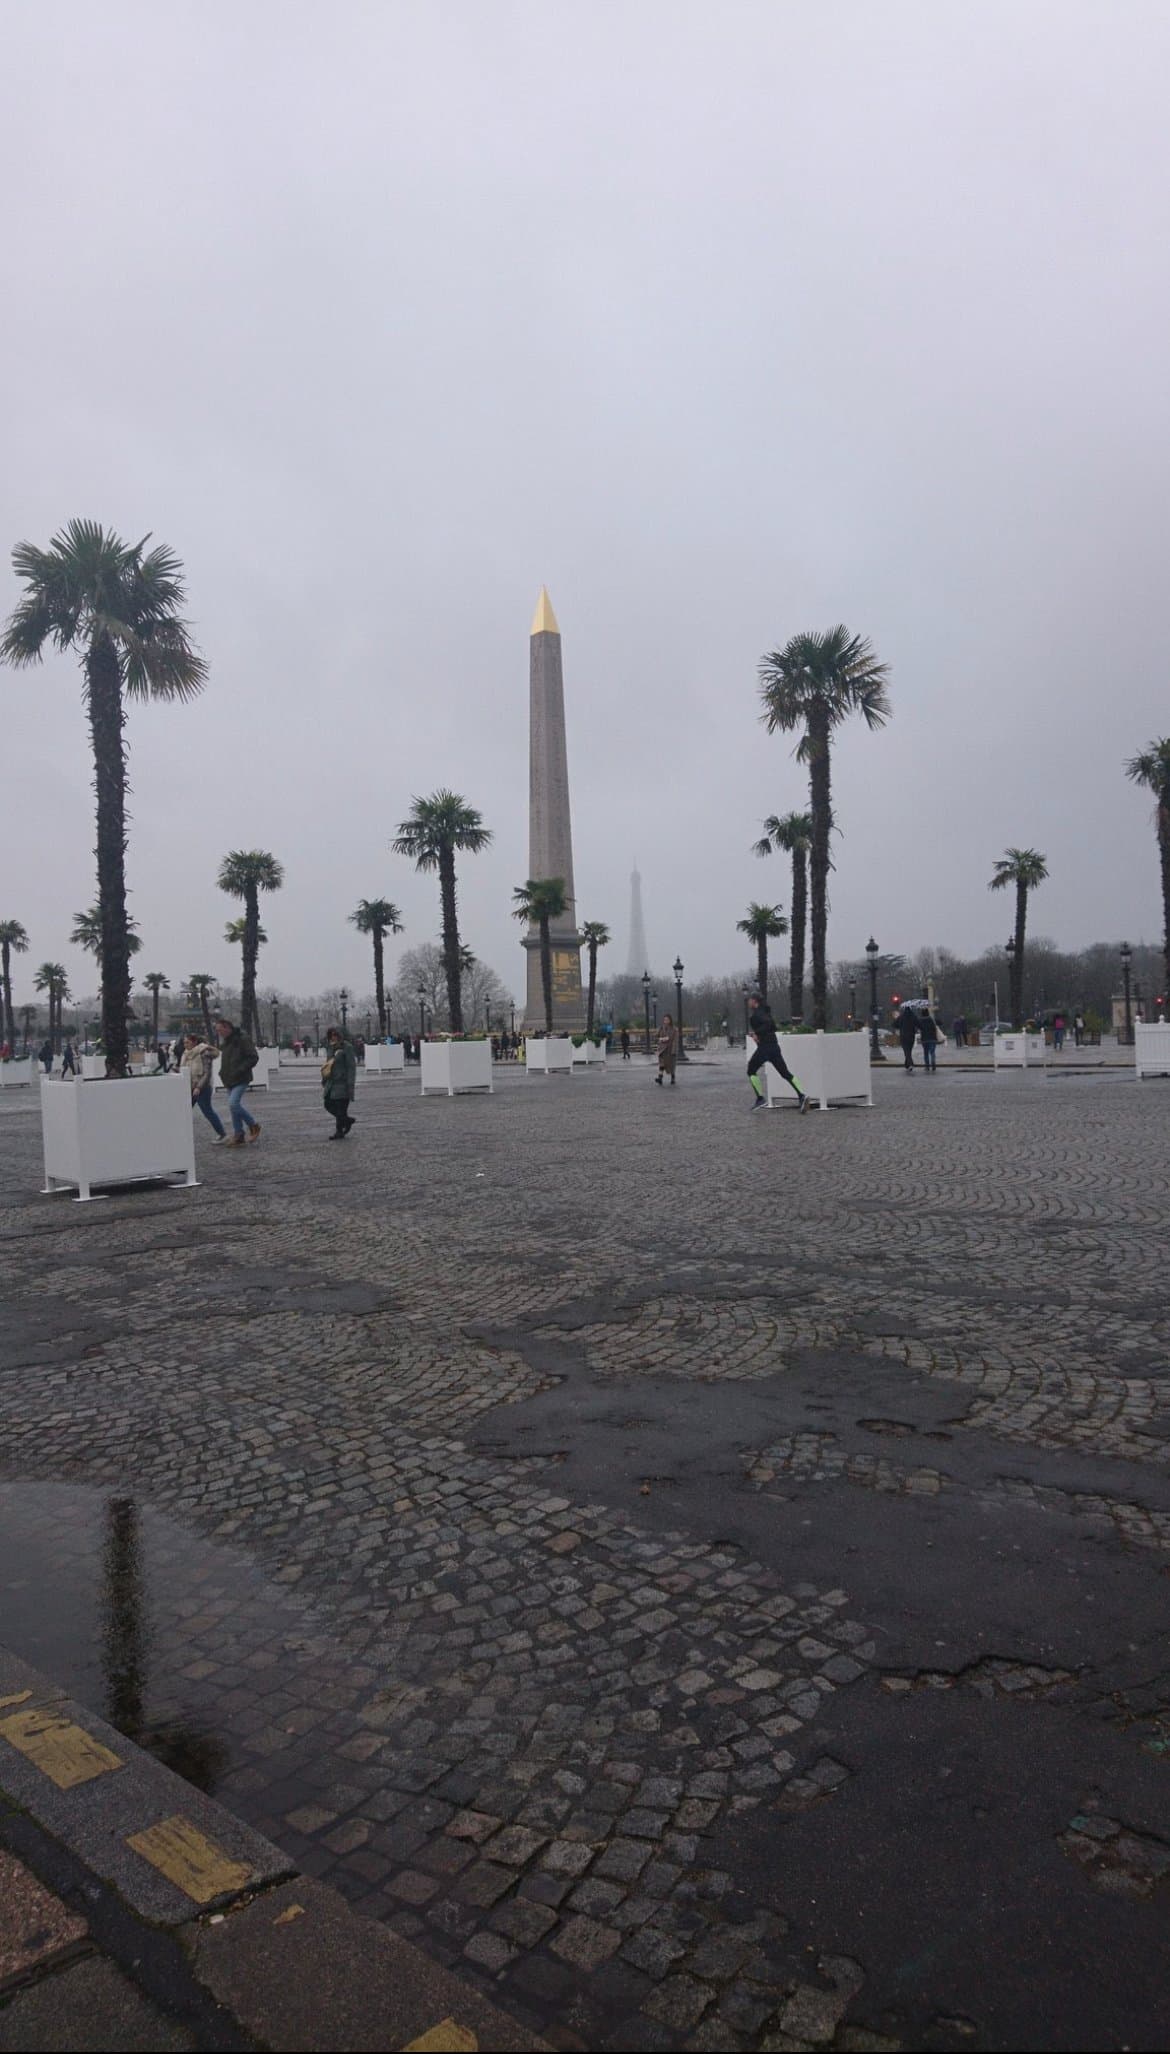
x: 530, y: 1708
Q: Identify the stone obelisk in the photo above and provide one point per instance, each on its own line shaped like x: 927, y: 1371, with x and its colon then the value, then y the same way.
x: 550, y: 834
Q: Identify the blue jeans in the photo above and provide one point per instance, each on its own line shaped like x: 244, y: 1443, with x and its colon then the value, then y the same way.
x: 241, y: 1117
x: 929, y: 1050
x: 203, y: 1100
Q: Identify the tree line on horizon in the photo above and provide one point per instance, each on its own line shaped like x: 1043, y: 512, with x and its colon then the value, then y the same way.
x: 119, y: 607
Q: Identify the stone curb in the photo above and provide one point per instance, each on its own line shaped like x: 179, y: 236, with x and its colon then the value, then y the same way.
x: 283, y: 1958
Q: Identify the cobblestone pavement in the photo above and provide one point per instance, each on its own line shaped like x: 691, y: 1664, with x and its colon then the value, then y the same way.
x: 701, y: 1574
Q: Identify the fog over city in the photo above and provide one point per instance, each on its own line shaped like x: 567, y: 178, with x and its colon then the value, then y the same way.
x: 720, y: 323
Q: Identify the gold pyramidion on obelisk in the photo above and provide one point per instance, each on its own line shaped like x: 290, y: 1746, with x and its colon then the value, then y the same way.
x: 550, y: 834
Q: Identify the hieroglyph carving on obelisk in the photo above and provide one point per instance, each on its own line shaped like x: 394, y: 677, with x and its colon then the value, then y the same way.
x: 550, y: 833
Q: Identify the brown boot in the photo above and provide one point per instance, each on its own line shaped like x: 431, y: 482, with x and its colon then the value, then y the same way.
x: 254, y: 1131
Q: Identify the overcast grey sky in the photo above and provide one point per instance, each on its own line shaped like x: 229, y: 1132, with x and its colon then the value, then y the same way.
x: 721, y: 322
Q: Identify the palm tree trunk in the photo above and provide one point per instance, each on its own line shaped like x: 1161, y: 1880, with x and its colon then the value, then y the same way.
x: 379, y: 982
x: 546, y: 971
x: 592, y: 987
x: 106, y: 720
x: 6, y: 981
x: 205, y: 1009
x: 451, y: 965
x: 251, y: 1018
x: 821, y: 807
x: 1018, y: 958
x: 799, y: 917
x: 762, y: 967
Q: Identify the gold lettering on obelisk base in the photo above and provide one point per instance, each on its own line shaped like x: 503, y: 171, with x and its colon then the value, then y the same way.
x: 566, y: 974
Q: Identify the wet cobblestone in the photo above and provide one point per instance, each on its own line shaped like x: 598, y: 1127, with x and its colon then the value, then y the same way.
x: 519, y: 1722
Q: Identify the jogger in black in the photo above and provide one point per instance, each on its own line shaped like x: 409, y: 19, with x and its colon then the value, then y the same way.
x: 767, y: 1050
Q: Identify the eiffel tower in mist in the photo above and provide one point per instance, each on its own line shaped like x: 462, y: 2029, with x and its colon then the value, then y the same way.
x: 637, y: 960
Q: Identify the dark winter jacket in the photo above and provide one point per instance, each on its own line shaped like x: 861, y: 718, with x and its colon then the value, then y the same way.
x: 237, y: 1059
x: 342, y: 1065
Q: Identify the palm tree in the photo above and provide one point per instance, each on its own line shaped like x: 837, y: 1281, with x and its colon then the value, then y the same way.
x: 12, y: 936
x: 236, y: 933
x: 378, y: 918
x: 119, y: 606
x: 1152, y: 768
x: 1025, y: 868
x: 814, y: 683
x: 595, y: 934
x: 762, y: 925
x: 155, y: 983
x: 87, y: 933
x: 538, y: 903
x: 199, y: 985
x: 244, y: 874
x: 430, y: 836
x: 51, y: 979
x: 793, y: 833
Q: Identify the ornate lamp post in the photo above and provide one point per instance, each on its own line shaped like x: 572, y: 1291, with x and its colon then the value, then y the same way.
x: 317, y: 1033
x: 875, y: 1052
x: 1010, y: 952
x: 646, y: 1001
x: 852, y: 1000
x: 343, y: 995
x: 1126, y: 960
x: 422, y: 1014
x: 367, y: 1026
x: 678, y: 1024
x: 275, y: 1025
x: 745, y: 991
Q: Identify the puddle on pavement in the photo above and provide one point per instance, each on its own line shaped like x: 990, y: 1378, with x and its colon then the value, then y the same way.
x: 104, y: 1597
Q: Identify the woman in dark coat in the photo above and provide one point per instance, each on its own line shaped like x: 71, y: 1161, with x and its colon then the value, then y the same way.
x: 907, y: 1029
x: 339, y: 1077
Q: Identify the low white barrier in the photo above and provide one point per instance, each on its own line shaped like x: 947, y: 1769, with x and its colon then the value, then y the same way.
x: 116, y: 1132
x: 546, y: 1056
x: 589, y: 1052
x: 1019, y: 1052
x: 453, y: 1066
x: 23, y: 1070
x: 1151, y: 1049
x: 383, y: 1061
x: 832, y: 1069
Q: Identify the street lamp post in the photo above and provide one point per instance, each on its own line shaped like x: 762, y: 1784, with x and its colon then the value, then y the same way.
x: 316, y: 1033
x: 745, y: 990
x: 678, y: 1022
x: 871, y: 953
x: 275, y: 1025
x: 343, y: 995
x: 1010, y: 952
x: 422, y: 1015
x: 367, y: 1026
x: 646, y: 1001
x: 1126, y: 960
x: 654, y: 1003
x: 512, y: 1010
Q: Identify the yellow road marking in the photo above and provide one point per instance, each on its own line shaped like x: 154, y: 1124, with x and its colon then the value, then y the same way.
x: 18, y: 1697
x: 194, y: 1864
x: 444, y: 2038
x: 65, y: 1753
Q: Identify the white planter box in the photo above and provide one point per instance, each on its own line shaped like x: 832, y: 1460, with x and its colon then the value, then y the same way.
x: 1019, y: 1051
x: 381, y: 1061
x: 588, y: 1053
x: 453, y: 1066
x: 24, y: 1071
x: 546, y: 1056
x: 833, y: 1069
x: 150, y: 1066
x: 1151, y: 1049
x: 116, y: 1132
x: 93, y: 1067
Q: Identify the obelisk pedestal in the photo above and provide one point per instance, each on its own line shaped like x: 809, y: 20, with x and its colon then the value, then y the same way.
x: 550, y: 834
